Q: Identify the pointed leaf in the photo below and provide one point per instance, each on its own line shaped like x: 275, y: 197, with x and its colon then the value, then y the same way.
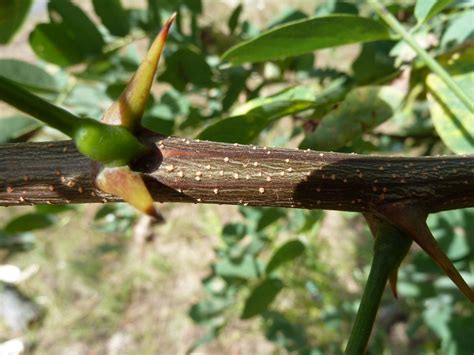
x: 69, y: 38
x: 363, y: 109
x: 52, y: 43
x: 307, y: 35
x: 28, y: 75
x: 285, y: 253
x: 113, y: 16
x: 84, y: 32
x: 289, y: 14
x: 12, y: 15
x: 261, y: 298
x: 185, y: 66
x: 248, y: 120
x: 426, y: 9
x: 234, y: 18
x: 374, y: 62
x: 244, y: 268
x: 459, y: 29
x: 16, y: 126
x: 454, y: 122
x: 28, y: 222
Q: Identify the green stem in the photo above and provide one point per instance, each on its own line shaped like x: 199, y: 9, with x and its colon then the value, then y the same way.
x: 391, y: 246
x: 108, y: 144
x: 430, y: 62
x: 50, y: 114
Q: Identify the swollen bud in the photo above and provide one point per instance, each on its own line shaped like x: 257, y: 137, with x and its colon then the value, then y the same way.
x: 109, y: 145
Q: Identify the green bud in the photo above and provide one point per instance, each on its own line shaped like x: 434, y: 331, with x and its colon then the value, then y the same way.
x: 107, y: 144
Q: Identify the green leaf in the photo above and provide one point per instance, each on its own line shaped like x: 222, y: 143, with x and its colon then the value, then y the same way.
x: 234, y: 18
x: 285, y: 253
x: 70, y: 37
x: 29, y: 222
x: 459, y: 29
x: 195, y: 6
x: 16, y: 126
x: 158, y: 124
x: 336, y: 7
x: 289, y: 14
x: 88, y: 100
x: 306, y: 36
x: 28, y: 75
x: 269, y: 216
x: 244, y: 268
x: 236, y: 77
x: 438, y: 317
x: 258, y: 218
x: 12, y: 15
x: 233, y: 233
x: 52, y: 43
x: 289, y: 334
x: 236, y: 129
x: 374, y: 62
x: 84, y: 33
x: 426, y: 9
x: 161, y: 117
x: 17, y: 242
x: 209, y: 336
x: 113, y: 16
x: 261, y: 297
x: 452, y: 119
x: 453, y: 229
x: 294, y: 96
x: 248, y: 120
x: 363, y: 109
x: 186, y: 66
x: 207, y: 310
x: 54, y: 209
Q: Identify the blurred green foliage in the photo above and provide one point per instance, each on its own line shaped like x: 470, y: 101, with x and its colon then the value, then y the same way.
x: 379, y: 99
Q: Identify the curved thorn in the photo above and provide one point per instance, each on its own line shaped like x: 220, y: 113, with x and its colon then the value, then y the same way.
x: 122, y: 182
x: 392, y: 280
x: 128, y: 109
x: 412, y: 220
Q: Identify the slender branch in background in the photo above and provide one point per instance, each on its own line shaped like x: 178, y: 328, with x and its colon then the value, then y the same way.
x: 393, y: 23
x: 124, y: 41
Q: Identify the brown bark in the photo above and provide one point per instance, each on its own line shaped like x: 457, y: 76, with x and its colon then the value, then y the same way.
x: 185, y: 170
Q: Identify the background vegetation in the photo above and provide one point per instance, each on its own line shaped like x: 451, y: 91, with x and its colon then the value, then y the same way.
x: 228, y: 279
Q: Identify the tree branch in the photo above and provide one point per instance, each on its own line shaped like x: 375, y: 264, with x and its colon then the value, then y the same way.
x: 185, y: 170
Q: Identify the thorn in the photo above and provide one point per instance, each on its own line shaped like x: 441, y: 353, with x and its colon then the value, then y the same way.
x: 428, y: 243
x: 127, y: 111
x: 392, y: 280
x: 128, y: 185
x: 412, y: 220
